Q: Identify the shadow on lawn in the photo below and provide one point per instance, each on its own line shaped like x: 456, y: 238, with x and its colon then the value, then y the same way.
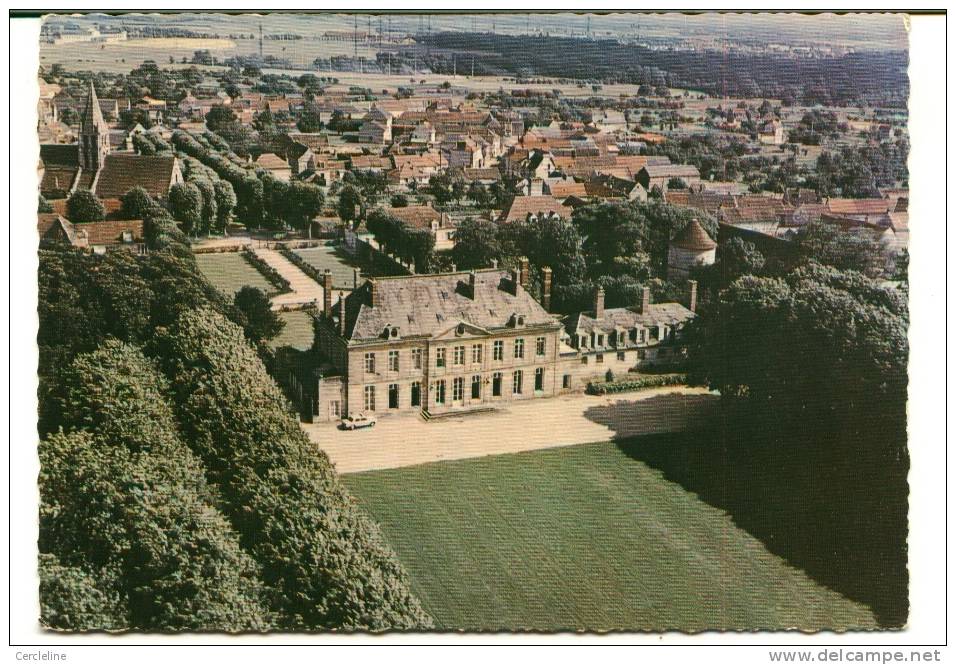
x: 839, y: 516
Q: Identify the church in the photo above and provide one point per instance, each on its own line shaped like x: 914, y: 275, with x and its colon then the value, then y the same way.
x: 92, y: 164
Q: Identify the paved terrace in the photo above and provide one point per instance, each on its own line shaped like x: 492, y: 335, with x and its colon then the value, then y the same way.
x: 406, y: 440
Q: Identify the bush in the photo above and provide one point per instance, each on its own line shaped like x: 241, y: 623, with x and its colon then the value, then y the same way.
x: 642, y: 383
x: 83, y: 206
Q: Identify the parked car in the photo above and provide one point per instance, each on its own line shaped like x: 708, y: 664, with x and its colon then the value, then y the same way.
x: 358, y: 421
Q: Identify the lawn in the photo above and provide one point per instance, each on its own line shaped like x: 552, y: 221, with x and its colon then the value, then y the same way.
x: 585, y: 538
x: 298, y: 332
x: 229, y: 272
x: 321, y: 258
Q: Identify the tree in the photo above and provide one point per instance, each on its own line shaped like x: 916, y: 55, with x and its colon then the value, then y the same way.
x: 186, y: 204
x: 676, y: 183
x: 225, y: 203
x: 220, y: 117
x: 326, y: 562
x: 479, y: 194
x: 850, y: 249
x: 310, y: 120
x: 399, y: 201
x: 83, y: 206
x: 260, y: 323
x: 73, y: 599
x: 121, y: 494
x: 210, y: 210
x: 349, y: 201
x: 136, y: 203
x: 476, y: 244
x: 307, y: 201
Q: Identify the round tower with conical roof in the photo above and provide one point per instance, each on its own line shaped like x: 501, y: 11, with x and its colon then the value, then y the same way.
x: 692, y: 247
x: 94, y: 134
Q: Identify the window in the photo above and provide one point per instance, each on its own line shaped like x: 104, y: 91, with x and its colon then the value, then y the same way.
x: 634, y: 335
x: 417, y: 358
x: 459, y: 355
x: 643, y: 336
x: 566, y: 381
x: 458, y: 389
x: 600, y: 340
x: 599, y: 358
x: 584, y: 360
x: 499, y: 350
x: 335, y: 409
x: 440, y: 392
x: 416, y: 393
x: 539, y: 345
x: 641, y: 354
x: 476, y: 354
x: 516, y: 380
x: 370, y: 363
x: 620, y: 355
x: 496, y: 384
x: 369, y: 398
x: 393, y: 361
x: 519, y: 348
x: 393, y: 396
x: 439, y: 357
x: 476, y: 387
x: 539, y: 379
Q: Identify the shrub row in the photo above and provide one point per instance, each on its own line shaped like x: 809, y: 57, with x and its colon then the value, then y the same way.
x: 642, y: 383
x: 281, y: 284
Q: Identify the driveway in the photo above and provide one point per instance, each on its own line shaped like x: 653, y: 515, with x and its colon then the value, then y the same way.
x: 406, y: 440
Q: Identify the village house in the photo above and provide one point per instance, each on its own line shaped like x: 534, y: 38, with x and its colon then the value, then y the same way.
x: 692, y: 248
x: 425, y: 217
x: 523, y: 208
x: 274, y: 165
x: 96, y: 237
x: 659, y: 175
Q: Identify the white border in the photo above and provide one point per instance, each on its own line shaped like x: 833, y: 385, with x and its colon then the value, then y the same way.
x: 927, y: 167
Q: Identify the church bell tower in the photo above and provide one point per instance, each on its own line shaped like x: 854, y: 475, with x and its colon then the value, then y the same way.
x: 94, y: 138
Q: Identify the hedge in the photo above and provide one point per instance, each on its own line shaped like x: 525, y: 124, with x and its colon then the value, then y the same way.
x: 642, y: 383
x: 281, y: 284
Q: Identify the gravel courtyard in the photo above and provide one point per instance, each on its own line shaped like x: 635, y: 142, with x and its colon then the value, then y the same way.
x: 406, y: 440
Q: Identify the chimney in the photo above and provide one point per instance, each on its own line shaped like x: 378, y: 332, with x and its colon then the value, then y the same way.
x: 472, y: 282
x: 342, y: 315
x: 599, y: 303
x: 515, y: 284
x: 375, y: 292
x: 356, y: 277
x: 494, y: 264
x: 523, y: 274
x: 645, y: 299
x: 692, y: 286
x: 546, y: 288
x: 454, y: 267
x: 327, y: 293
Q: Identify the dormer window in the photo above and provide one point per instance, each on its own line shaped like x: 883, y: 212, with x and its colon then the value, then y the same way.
x: 460, y: 330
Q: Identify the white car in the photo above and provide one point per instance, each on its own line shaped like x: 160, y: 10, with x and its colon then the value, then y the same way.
x: 358, y: 421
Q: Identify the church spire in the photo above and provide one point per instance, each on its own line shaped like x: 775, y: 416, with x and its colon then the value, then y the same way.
x: 94, y: 133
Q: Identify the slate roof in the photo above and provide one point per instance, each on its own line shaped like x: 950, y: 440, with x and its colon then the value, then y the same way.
x: 60, y: 154
x: 671, y: 171
x: 121, y: 172
x: 429, y: 305
x: 859, y: 206
x: 626, y: 318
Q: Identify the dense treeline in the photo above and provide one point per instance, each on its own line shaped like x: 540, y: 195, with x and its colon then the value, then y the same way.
x: 177, y: 490
x: 812, y: 367
x: 877, y: 77
x: 621, y: 247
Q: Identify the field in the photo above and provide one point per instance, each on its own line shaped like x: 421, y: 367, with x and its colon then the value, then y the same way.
x: 585, y: 538
x: 325, y: 257
x: 297, y: 333
x: 229, y: 272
